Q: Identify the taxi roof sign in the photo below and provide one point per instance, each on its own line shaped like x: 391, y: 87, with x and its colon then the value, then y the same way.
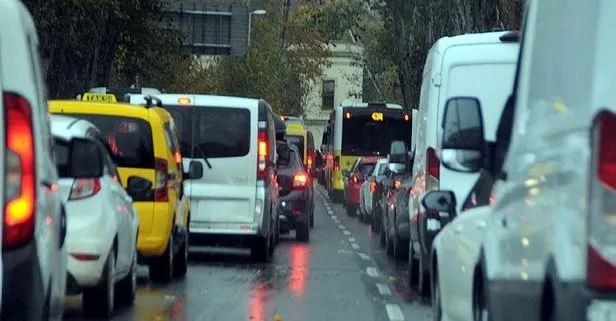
x: 99, y: 98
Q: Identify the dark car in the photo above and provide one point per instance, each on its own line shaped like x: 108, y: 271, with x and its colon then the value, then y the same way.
x: 296, y: 209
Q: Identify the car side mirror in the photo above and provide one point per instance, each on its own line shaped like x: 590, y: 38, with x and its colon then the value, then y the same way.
x: 86, y: 159
x: 397, y: 168
x: 139, y: 188
x: 388, y: 182
x: 463, y: 145
x: 440, y: 201
x: 284, y: 154
x: 345, y: 173
x: 195, y: 170
x: 371, y: 179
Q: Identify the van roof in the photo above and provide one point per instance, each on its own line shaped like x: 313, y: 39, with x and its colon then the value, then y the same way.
x: 199, y: 100
x: 367, y: 105
x: 471, y: 39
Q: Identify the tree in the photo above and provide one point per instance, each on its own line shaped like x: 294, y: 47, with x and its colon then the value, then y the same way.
x: 86, y: 43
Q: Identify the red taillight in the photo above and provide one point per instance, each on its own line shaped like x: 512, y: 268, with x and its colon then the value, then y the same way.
x: 84, y: 188
x: 606, y: 167
x: 433, y: 163
x: 162, y: 179
x: 300, y: 181
x: 372, y: 187
x: 262, y: 152
x: 601, y: 257
x: 178, y: 157
x: 337, y: 164
x: 19, y: 179
x: 309, y: 159
x: 355, y: 179
x: 397, y: 184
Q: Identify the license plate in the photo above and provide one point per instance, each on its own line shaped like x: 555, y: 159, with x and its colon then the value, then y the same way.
x: 601, y: 311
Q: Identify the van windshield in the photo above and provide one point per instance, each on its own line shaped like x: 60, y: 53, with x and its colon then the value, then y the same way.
x: 130, y: 139
x: 219, y: 132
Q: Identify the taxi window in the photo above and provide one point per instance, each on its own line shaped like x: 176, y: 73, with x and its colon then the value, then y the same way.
x: 219, y: 132
x: 129, y: 139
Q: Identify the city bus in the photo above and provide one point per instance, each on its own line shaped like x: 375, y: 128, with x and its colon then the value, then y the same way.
x: 360, y: 129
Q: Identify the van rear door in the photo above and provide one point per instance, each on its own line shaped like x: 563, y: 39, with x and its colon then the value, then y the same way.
x: 224, y: 141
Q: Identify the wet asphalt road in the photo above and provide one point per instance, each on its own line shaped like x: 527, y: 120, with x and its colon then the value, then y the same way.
x: 342, y: 274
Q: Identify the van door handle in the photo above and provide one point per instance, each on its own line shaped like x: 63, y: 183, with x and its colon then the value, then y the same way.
x: 504, y: 222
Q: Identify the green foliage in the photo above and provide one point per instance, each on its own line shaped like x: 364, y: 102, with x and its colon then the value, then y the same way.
x: 86, y: 43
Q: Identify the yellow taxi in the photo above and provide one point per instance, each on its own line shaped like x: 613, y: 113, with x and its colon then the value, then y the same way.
x: 144, y: 145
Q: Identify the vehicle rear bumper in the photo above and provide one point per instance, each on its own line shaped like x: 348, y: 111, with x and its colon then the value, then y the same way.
x: 23, y: 292
x: 293, y: 209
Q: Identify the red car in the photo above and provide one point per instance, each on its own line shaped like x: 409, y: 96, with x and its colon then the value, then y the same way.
x: 356, y: 177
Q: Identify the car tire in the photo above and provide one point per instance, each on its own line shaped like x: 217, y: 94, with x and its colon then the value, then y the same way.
x: 302, y: 232
x: 98, y: 301
x: 413, y: 269
x: 351, y: 210
x: 180, y: 263
x: 126, y: 289
x: 437, y: 309
x: 161, y: 268
x: 260, y: 249
x: 401, y: 249
x: 376, y: 224
x: 312, y: 216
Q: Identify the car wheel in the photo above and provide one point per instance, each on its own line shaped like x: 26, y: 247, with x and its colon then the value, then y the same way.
x: 437, y: 310
x: 126, y: 289
x: 312, y: 216
x: 180, y: 264
x: 351, y: 209
x: 302, y: 232
x: 260, y: 250
x: 161, y: 269
x: 98, y: 301
x: 413, y: 269
x: 400, y: 248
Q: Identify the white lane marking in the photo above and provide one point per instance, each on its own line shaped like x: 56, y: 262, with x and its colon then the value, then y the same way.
x: 352, y: 240
x: 364, y: 256
x: 355, y: 246
x: 372, y: 271
x: 340, y: 226
x: 330, y: 212
x: 383, y: 289
x: 346, y: 232
x: 394, y: 313
x: 335, y: 217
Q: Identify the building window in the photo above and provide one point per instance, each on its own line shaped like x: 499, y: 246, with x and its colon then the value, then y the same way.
x: 327, y: 94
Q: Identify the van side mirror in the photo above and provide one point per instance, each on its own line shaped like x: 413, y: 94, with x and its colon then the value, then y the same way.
x: 86, y: 159
x: 463, y: 145
x: 195, y: 170
x: 345, y: 172
x: 440, y: 201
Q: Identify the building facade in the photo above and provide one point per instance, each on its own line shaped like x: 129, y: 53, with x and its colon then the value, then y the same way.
x: 342, y: 81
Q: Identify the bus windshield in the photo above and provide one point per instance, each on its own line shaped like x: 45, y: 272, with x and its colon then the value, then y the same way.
x: 362, y: 136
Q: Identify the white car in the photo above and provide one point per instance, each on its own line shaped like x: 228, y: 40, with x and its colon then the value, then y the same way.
x: 102, y: 222
x: 34, y: 224
x: 367, y: 189
x: 455, y: 253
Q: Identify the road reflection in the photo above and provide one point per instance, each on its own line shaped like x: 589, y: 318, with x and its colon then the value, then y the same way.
x: 300, y: 254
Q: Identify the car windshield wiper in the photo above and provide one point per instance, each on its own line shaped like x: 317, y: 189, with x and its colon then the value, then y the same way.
x: 204, y: 157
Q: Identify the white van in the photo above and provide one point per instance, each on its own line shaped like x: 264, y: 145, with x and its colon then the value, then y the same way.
x: 228, y: 147
x: 550, y: 247
x: 34, y: 224
x: 480, y: 65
